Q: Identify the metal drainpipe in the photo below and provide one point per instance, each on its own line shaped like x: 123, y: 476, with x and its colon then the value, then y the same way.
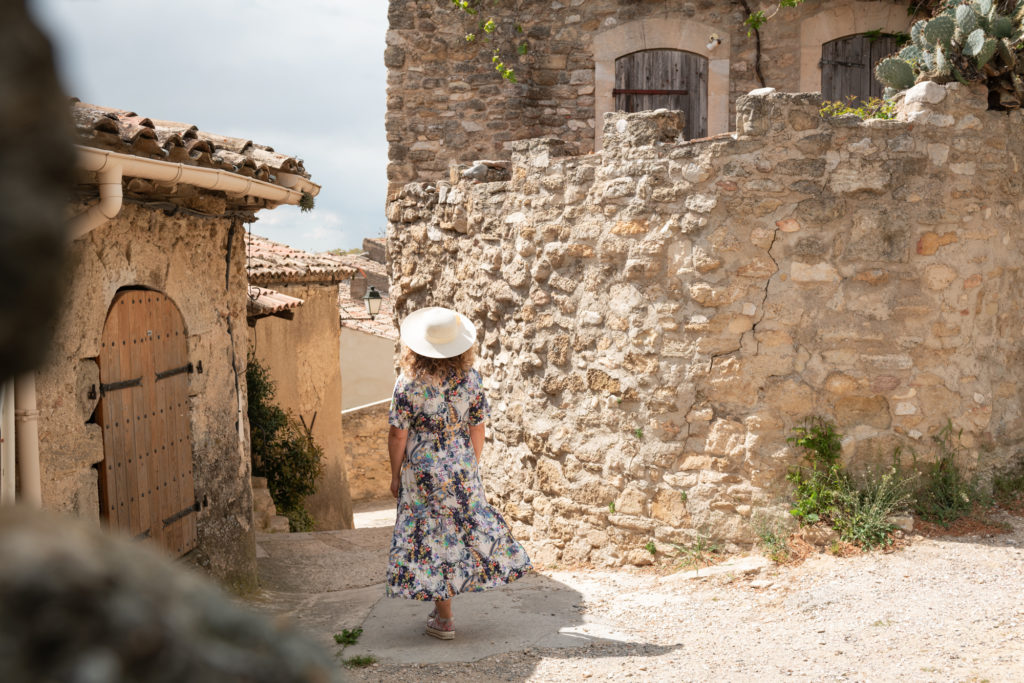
x: 26, y: 414
x: 7, y: 459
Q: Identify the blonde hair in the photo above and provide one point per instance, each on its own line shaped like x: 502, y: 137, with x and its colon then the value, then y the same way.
x: 416, y: 366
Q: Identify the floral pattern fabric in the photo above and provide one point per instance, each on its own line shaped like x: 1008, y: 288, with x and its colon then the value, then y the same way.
x: 447, y: 539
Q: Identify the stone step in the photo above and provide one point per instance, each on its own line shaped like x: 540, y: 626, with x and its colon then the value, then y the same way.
x: 278, y: 525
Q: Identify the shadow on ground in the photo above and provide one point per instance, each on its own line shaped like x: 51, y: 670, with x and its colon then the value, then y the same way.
x: 325, y: 582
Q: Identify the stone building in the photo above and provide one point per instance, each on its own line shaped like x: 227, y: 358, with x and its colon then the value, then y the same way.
x: 301, y: 351
x: 584, y: 59
x: 368, y: 368
x: 655, y: 318
x: 138, y: 417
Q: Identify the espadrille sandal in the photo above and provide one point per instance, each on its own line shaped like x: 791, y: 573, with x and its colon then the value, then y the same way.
x: 441, y: 628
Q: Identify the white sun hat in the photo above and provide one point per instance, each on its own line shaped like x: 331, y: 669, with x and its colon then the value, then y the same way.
x: 438, y: 332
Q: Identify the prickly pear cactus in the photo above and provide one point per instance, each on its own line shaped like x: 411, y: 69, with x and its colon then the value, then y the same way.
x: 971, y: 41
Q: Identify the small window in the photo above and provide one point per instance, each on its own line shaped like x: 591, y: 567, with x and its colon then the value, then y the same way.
x: 848, y: 66
x: 664, y: 79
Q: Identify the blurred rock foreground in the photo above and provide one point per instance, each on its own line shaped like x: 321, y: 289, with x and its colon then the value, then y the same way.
x: 77, y: 604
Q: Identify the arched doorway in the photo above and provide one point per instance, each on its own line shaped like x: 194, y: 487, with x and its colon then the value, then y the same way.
x: 848, y: 66
x: 146, y: 482
x: 664, y: 79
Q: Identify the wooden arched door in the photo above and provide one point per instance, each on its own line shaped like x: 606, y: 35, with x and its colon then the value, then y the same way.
x: 664, y: 79
x: 848, y: 66
x: 146, y: 483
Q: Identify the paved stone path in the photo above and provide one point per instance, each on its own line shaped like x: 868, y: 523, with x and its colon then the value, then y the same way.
x: 948, y: 609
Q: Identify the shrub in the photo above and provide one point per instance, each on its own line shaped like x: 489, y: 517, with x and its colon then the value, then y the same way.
x: 283, y: 449
x: 825, y: 492
x: 874, y: 108
x: 818, y: 480
x: 773, y: 539
x: 862, y: 513
x: 945, y: 495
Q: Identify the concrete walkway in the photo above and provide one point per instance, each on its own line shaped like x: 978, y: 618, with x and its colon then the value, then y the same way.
x: 328, y: 581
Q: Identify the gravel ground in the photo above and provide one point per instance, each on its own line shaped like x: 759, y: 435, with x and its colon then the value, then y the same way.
x: 938, y: 609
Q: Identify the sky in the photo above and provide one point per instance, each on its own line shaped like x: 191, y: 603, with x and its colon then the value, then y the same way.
x: 305, y: 77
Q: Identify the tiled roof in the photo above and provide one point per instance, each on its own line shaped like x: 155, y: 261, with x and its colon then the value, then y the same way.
x: 272, y: 262
x: 374, y: 273
x: 126, y: 132
x: 263, y: 302
x: 352, y: 311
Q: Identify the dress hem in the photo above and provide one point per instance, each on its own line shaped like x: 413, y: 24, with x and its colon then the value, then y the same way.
x: 392, y: 592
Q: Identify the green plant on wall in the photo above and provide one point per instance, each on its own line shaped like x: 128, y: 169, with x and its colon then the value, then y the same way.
x: 824, y: 492
x: 971, y: 41
x: 283, y: 449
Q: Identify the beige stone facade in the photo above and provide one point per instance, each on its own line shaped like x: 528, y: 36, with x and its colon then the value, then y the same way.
x: 446, y: 104
x: 366, y: 451
x: 145, y: 248
x: 655, y: 318
x: 301, y: 353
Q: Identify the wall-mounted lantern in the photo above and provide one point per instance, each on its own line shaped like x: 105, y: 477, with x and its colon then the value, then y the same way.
x: 373, y: 300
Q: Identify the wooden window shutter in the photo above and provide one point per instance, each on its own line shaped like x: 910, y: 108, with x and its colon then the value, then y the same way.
x: 848, y: 66
x: 664, y: 79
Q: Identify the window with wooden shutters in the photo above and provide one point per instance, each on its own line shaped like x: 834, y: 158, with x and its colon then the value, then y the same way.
x: 664, y: 79
x: 848, y: 66
x: 146, y: 484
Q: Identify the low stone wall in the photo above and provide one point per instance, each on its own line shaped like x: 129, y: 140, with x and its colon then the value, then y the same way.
x: 366, y: 451
x: 655, y: 318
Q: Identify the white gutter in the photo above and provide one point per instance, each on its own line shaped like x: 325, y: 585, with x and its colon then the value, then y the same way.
x: 7, y: 476
x: 26, y: 414
x: 113, y: 166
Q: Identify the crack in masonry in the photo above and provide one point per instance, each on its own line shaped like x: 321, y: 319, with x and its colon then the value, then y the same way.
x: 767, y: 284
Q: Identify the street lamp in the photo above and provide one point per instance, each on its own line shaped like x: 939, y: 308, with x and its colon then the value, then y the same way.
x: 373, y: 300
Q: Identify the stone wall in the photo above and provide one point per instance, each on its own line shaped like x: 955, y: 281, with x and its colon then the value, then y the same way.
x: 366, y: 451
x: 302, y: 356
x: 446, y: 103
x: 200, y: 264
x: 655, y: 318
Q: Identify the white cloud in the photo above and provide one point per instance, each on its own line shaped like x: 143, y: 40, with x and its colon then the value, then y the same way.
x: 306, y: 77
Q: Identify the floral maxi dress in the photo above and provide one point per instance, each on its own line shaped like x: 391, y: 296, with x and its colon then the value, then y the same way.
x: 447, y: 540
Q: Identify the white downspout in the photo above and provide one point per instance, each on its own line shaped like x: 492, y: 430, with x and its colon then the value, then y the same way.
x: 7, y: 460
x: 26, y: 414
x: 108, y: 206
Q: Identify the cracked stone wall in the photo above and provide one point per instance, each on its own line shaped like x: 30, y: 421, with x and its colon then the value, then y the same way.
x: 655, y: 318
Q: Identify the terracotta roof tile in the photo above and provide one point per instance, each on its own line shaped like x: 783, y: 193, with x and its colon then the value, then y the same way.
x: 263, y: 302
x: 128, y: 133
x: 271, y: 262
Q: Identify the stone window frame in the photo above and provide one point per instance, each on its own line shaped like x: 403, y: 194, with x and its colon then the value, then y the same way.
x: 662, y: 33
x: 838, y: 22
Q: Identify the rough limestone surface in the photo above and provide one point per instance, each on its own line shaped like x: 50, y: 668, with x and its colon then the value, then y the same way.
x: 145, y: 248
x: 366, y: 452
x: 655, y: 318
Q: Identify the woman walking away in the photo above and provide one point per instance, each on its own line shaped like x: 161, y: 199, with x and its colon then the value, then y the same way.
x: 447, y: 540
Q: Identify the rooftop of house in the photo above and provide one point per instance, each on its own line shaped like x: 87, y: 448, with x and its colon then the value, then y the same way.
x: 271, y: 263
x: 352, y: 307
x: 353, y: 315
x: 123, y: 131
x: 263, y: 302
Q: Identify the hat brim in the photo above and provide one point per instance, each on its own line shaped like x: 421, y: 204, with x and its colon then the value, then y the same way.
x: 413, y: 334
